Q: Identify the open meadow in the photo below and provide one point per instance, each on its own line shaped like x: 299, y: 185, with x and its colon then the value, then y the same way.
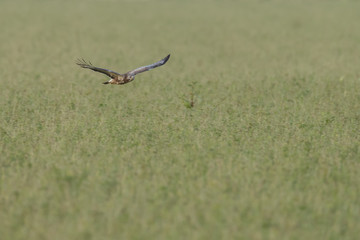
x: 270, y: 148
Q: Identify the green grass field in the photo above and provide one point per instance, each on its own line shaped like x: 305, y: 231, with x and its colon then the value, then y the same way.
x: 270, y: 149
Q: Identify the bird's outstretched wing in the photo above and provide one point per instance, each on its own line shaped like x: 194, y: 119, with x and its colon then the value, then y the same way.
x: 148, y: 67
x: 82, y: 63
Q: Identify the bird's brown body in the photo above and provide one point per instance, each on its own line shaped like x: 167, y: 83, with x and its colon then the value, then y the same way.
x: 119, y: 79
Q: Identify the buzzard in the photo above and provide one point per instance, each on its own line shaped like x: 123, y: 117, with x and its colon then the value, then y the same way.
x: 118, y: 78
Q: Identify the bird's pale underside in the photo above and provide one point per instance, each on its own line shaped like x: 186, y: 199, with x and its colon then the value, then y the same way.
x: 118, y: 78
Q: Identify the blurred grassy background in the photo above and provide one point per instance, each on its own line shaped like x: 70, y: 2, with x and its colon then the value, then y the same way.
x: 269, y: 151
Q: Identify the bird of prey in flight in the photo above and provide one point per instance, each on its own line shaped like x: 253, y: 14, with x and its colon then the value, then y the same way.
x: 118, y: 78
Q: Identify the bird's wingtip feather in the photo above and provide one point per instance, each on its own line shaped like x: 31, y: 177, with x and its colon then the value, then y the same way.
x: 82, y: 63
x: 166, y: 58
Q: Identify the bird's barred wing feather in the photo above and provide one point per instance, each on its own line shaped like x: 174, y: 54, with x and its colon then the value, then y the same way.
x: 149, y: 67
x: 82, y: 63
